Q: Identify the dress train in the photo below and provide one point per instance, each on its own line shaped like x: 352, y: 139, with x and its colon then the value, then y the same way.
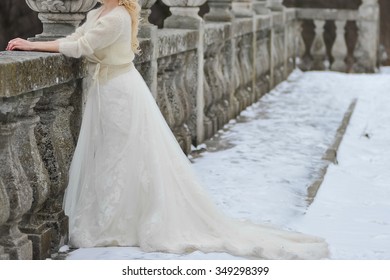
x: 131, y: 185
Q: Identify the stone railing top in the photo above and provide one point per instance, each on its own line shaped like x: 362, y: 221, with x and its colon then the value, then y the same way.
x: 242, y: 26
x: 290, y: 14
x: 23, y: 72
x: 327, y: 14
x: 216, y: 32
x: 277, y: 19
x: 263, y: 22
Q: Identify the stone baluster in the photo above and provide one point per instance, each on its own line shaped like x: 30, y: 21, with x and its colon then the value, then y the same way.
x: 18, y: 190
x: 179, y: 98
x: 56, y: 146
x: 146, y: 28
x: 4, y: 213
x: 163, y: 87
x: 220, y: 10
x: 300, y: 47
x: 37, y: 230
x: 318, y: 48
x: 339, y: 49
x: 214, y: 111
x: 60, y: 17
x: 261, y: 7
x: 366, y: 50
x: 185, y: 16
x: 243, y: 93
x: 208, y: 98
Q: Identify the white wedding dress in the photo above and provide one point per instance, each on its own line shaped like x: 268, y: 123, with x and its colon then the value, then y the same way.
x: 131, y: 185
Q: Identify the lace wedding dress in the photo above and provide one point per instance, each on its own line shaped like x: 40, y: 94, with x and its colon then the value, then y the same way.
x: 131, y: 185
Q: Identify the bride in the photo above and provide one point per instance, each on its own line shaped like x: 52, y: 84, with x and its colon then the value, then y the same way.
x: 130, y: 184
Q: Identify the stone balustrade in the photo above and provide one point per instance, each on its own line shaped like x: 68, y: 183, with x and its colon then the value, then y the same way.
x: 202, y: 73
x: 337, y: 52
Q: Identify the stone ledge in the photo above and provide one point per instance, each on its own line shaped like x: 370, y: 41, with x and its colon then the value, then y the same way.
x: 23, y: 72
x: 330, y: 155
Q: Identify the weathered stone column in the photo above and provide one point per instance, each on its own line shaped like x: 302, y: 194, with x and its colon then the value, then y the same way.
x: 56, y: 146
x: 60, y: 17
x: 38, y: 231
x: 220, y: 10
x: 366, y: 50
x: 185, y: 16
x: 146, y: 28
x: 18, y: 190
x: 4, y: 214
x: 147, y: 62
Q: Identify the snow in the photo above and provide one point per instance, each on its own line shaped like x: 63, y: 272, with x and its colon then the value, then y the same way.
x: 260, y: 166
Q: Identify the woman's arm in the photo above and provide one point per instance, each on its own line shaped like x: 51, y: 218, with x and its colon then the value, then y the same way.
x: 24, y: 45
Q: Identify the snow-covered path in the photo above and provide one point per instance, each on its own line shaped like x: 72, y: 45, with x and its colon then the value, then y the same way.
x: 260, y: 166
x: 352, y: 208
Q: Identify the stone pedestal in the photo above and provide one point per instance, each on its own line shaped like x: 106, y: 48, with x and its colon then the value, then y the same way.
x: 40, y: 233
x: 261, y: 7
x: 242, y: 8
x: 18, y: 191
x: 275, y: 5
x: 184, y: 18
x: 60, y: 17
x: 220, y: 10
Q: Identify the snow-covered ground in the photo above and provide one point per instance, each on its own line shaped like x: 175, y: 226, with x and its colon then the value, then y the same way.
x: 260, y: 166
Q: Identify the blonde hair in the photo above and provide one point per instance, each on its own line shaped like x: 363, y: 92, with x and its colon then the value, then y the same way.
x: 134, y: 9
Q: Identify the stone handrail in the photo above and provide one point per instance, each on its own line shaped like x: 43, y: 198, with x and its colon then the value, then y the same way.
x: 327, y: 14
x: 202, y: 73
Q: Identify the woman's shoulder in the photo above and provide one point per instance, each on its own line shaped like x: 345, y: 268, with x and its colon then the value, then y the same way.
x: 93, y: 12
x: 117, y: 15
x: 121, y: 12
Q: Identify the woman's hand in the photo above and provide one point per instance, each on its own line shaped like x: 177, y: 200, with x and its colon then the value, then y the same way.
x: 19, y: 44
x: 24, y: 45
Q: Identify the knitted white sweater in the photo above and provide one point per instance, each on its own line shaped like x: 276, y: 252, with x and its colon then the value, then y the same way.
x: 102, y: 40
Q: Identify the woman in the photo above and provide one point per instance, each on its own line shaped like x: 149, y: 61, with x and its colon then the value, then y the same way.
x: 130, y: 184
